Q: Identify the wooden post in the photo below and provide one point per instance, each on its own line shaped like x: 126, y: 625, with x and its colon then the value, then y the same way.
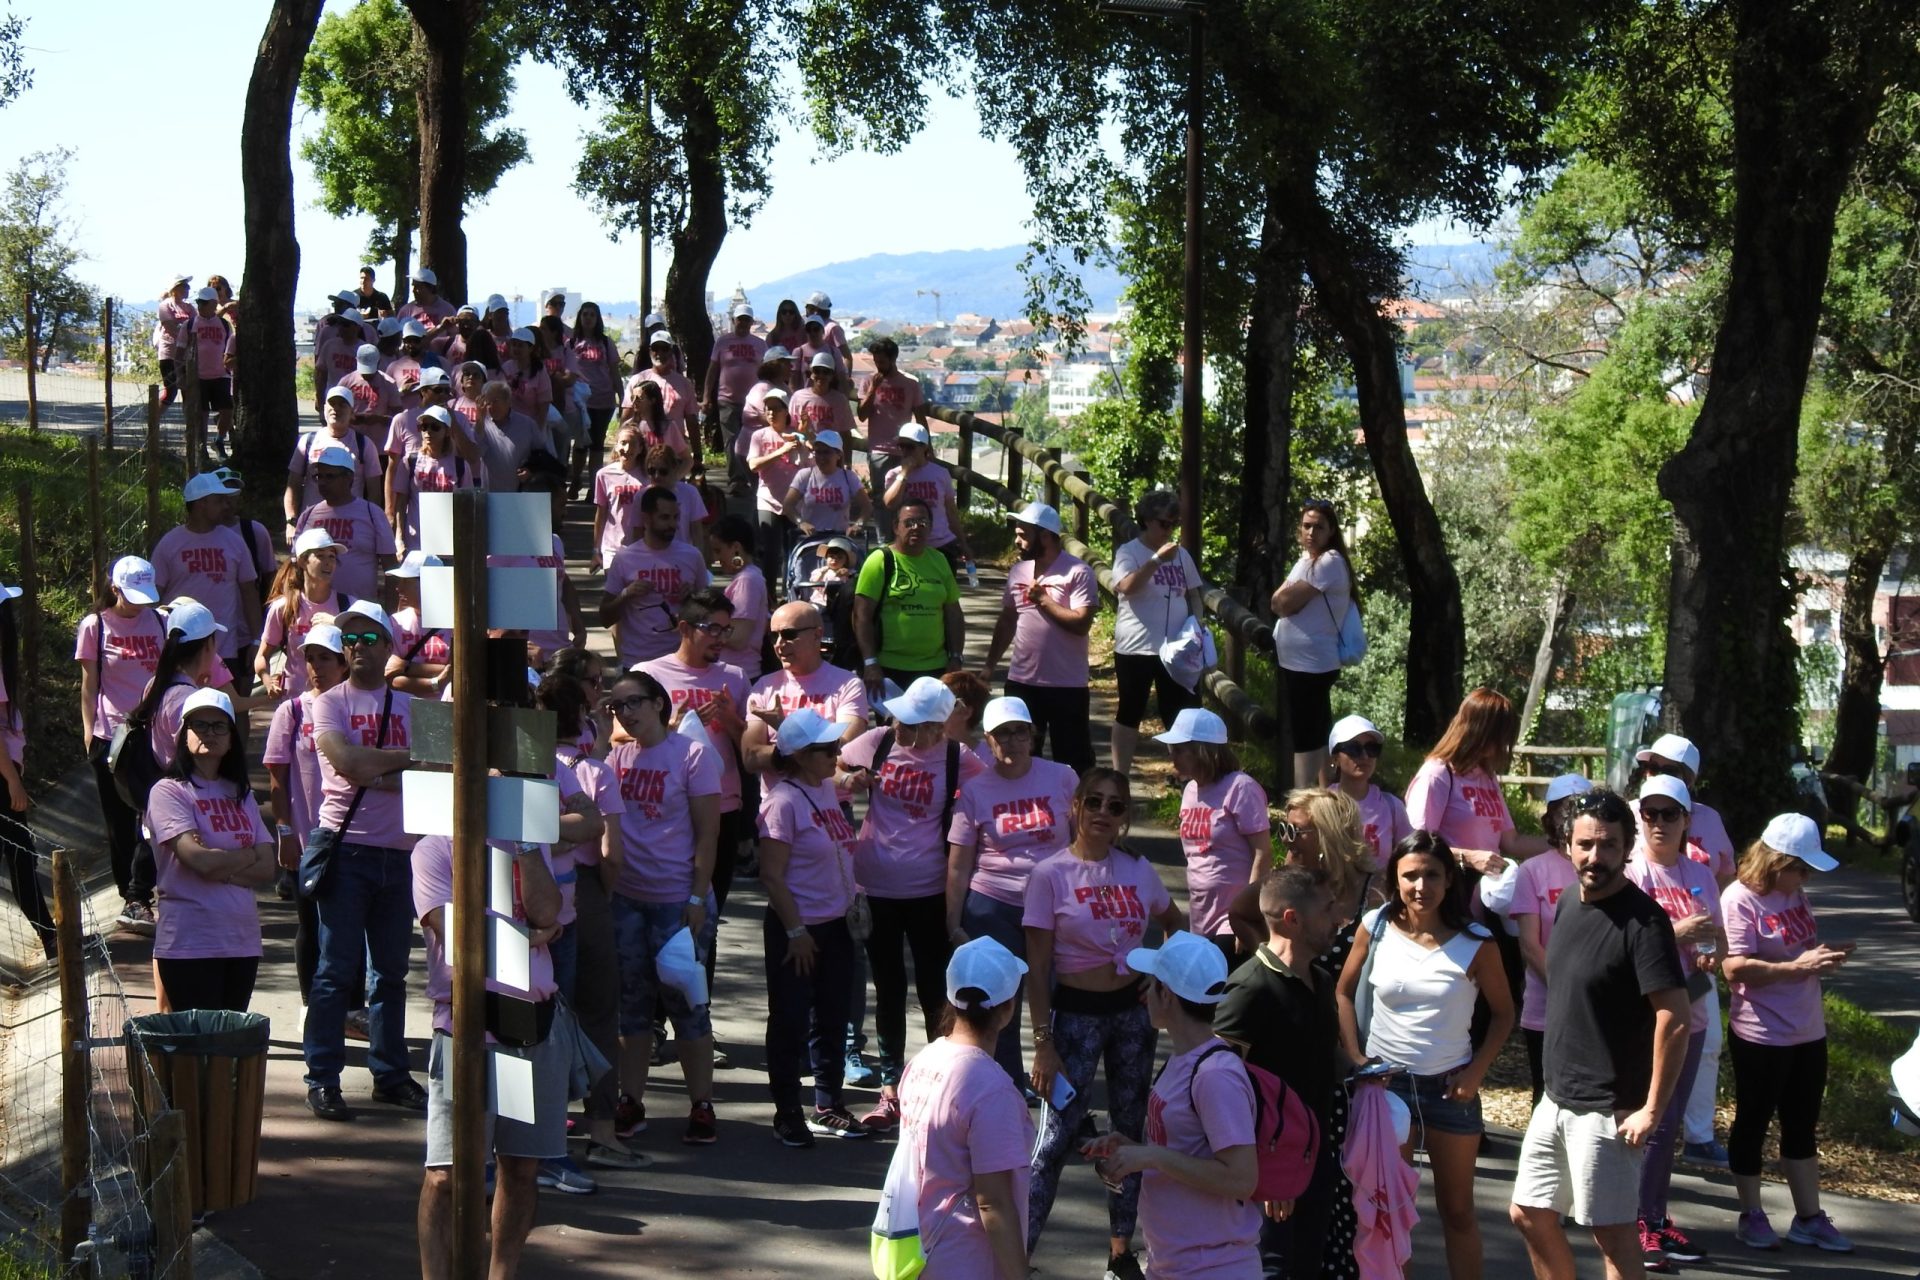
x: 29, y: 610
x: 468, y: 1080
x: 1050, y: 491
x: 170, y: 1198
x: 33, y: 375
x: 1010, y: 442
x: 1081, y: 511
x: 96, y: 524
x: 76, y: 1207
x: 963, y: 471
x: 106, y: 370
x: 153, y: 467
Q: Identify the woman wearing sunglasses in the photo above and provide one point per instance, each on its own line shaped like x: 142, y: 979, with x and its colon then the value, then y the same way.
x: 1223, y: 824
x: 1156, y: 586
x: 1353, y: 759
x: 210, y: 849
x: 1087, y: 907
x: 1308, y: 609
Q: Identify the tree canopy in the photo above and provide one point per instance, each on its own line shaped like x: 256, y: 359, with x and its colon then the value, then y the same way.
x: 37, y: 256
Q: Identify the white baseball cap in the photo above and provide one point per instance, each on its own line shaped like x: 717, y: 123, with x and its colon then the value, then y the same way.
x: 1037, y: 514
x: 1348, y: 728
x: 413, y: 329
x: 660, y: 338
x: 468, y: 309
x: 522, y: 334
x: 11, y: 593
x: 495, y: 302
x: 926, y: 701
x: 814, y: 318
x: 367, y: 357
x: 777, y: 352
x: 1194, y: 724
x: 830, y: 438
x: 369, y: 610
x: 987, y: 966
x: 340, y: 393
x: 914, y: 433
x: 205, y: 485
x: 206, y: 294
x: 1906, y: 1075
x: 191, y: 620
x: 775, y: 393
x: 1570, y: 784
x: 389, y: 326
x: 327, y: 636
x: 818, y: 299
x: 1672, y: 788
x: 425, y: 276
x: 1797, y: 836
x: 336, y: 455
x: 822, y: 360
x: 434, y: 413
x: 1186, y: 964
x: 1004, y: 711
x: 312, y: 540
x: 346, y: 298
x: 412, y: 563
x: 206, y: 698
x: 654, y: 320
x: 134, y: 577
x: 806, y: 728
x: 1671, y: 746
x: 742, y: 309
x: 435, y: 376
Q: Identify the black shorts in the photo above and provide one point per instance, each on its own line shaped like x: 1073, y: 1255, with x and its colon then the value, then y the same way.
x: 1138, y: 675
x: 1310, y: 706
x: 216, y: 393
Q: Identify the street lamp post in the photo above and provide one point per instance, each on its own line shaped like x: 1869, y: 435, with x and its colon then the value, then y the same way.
x: 1195, y: 12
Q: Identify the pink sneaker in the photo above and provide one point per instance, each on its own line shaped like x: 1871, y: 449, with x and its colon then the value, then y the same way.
x: 884, y: 1117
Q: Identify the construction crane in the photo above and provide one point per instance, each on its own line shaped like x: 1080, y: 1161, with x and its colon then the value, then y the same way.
x: 918, y: 293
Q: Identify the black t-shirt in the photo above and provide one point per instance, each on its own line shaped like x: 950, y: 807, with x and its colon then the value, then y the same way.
x: 374, y: 305
x: 1604, y: 959
x: 1289, y: 1028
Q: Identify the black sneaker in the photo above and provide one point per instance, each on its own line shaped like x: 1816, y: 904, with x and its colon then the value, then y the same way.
x: 1124, y: 1267
x: 327, y: 1104
x: 835, y: 1122
x: 404, y: 1092
x: 791, y: 1128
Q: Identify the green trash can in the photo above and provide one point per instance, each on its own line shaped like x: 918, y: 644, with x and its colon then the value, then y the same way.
x: 211, y: 1066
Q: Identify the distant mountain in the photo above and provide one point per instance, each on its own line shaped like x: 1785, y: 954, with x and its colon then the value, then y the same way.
x: 1450, y: 270
x: 984, y: 281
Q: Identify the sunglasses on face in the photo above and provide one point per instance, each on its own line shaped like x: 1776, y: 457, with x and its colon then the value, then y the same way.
x: 1371, y: 750
x: 210, y: 728
x: 1660, y: 814
x: 711, y: 628
x: 1111, y: 805
x: 1659, y: 768
x: 352, y: 638
x: 792, y: 633
x: 918, y: 522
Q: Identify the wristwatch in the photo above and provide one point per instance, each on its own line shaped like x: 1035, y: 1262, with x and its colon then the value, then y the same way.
x: 695, y: 900
x: 871, y: 662
x: 794, y: 933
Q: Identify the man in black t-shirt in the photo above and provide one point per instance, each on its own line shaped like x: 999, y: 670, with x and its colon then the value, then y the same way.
x: 1279, y: 1013
x: 1616, y: 1038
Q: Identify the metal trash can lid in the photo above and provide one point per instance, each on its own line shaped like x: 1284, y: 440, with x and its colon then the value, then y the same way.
x: 215, y: 1033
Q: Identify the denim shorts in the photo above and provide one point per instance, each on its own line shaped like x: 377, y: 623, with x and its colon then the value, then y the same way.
x: 640, y: 929
x: 1426, y: 1098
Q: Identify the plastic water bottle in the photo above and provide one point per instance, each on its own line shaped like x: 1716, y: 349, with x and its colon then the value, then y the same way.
x: 973, y: 575
x: 1710, y: 946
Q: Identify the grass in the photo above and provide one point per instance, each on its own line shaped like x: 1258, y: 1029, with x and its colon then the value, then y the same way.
x: 24, y: 1257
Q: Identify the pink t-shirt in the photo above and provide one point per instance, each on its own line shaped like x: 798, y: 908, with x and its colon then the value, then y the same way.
x: 433, y: 888
x: 532, y: 392
x: 210, y: 338
x: 647, y: 625
x: 429, y: 314
x: 1384, y: 823
x: 596, y: 362
x: 903, y: 850
x: 895, y: 397
x: 1672, y: 887
x: 1098, y: 911
x: 776, y: 477
x: 1013, y: 824
x: 689, y: 505
x: 127, y: 667
x: 739, y: 361
x: 355, y: 713
x: 616, y: 491
x: 209, y: 567
x: 696, y: 687
x: 361, y: 529
x: 1707, y: 841
x: 1199, y: 1108
x: 824, y: 499
x: 419, y: 472
x: 1540, y: 881
x: 1216, y: 823
x: 830, y: 412
x: 753, y: 415
x: 201, y: 918
x: 809, y: 822
x: 682, y: 405
x: 964, y: 1118
x: 656, y: 831
x: 295, y: 640
x: 1777, y: 927
x: 306, y: 453
x: 1468, y: 809
x: 334, y: 343
x: 164, y: 734
x: 409, y: 633
x: 290, y: 742
x: 748, y: 591
x: 375, y: 400
x: 930, y: 483
x: 834, y: 692
x: 1044, y: 653
x: 170, y: 325
x: 600, y: 784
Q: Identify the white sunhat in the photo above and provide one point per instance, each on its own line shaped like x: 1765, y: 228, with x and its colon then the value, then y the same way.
x: 336, y: 455
x: 806, y: 728
x: 313, y: 540
x: 1005, y: 711
x: 135, y: 579
x: 1194, y: 724
x: 1570, y: 784
x: 1798, y: 836
x: 830, y: 438
x: 1349, y: 728
x: 426, y: 276
x: 1661, y: 784
x: 366, y: 357
x: 1037, y: 514
x: 369, y: 610
x: 1671, y: 746
x: 327, y: 636
x: 986, y: 966
x: 179, y: 277
x: 206, y: 485
x: 1186, y: 964
x: 206, y: 698
x: 412, y: 563
x: 926, y: 701
x: 191, y: 620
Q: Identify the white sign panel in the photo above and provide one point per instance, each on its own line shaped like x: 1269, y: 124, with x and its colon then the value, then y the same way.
x: 517, y: 599
x: 517, y: 808
x: 518, y: 524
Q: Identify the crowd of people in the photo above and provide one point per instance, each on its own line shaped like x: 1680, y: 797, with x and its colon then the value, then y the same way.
x: 916, y: 825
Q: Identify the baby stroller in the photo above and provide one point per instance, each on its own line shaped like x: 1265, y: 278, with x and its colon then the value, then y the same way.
x: 834, y: 599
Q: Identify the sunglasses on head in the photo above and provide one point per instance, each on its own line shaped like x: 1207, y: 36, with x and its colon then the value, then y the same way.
x: 792, y: 633
x: 352, y: 638
x: 1371, y: 750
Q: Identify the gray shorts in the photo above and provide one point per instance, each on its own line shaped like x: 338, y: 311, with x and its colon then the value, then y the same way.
x: 1574, y: 1162
x: 545, y: 1139
x: 640, y: 929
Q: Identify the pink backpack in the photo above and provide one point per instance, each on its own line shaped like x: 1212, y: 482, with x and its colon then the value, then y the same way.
x: 1286, y: 1132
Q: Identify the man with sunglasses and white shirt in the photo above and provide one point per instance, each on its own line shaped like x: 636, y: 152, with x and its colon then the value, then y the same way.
x: 647, y: 579
x: 805, y: 679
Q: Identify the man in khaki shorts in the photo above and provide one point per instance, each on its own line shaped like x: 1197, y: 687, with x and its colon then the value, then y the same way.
x: 1616, y: 1039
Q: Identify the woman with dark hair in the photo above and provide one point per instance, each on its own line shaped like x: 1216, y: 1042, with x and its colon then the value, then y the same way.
x: 210, y: 849
x: 1087, y: 906
x: 588, y: 669
x: 730, y: 543
x: 15, y: 839
x: 963, y: 726
x: 788, y: 330
x: 597, y: 364
x: 186, y: 664
x: 294, y: 792
x: 1432, y: 962
x: 1308, y: 609
x: 645, y: 411
x: 1354, y: 745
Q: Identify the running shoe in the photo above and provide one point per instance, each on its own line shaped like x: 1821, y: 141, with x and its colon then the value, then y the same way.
x: 1711, y: 1154
x: 884, y: 1118
x: 835, y: 1122
x: 703, y: 1128
x: 629, y: 1116
x: 1754, y: 1231
x: 1650, y: 1250
x: 616, y: 1158
x: 1819, y: 1232
x: 1124, y: 1267
x: 1675, y: 1244
x: 791, y: 1128
x: 136, y: 917
x: 859, y: 1073
x: 564, y: 1176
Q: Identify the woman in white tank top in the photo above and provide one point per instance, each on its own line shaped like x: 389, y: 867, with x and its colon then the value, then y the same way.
x: 1424, y: 962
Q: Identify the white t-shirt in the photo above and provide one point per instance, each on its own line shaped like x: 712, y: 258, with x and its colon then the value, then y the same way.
x: 1159, y: 608
x: 1309, y: 641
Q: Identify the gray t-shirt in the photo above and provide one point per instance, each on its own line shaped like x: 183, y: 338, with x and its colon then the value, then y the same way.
x: 1159, y: 608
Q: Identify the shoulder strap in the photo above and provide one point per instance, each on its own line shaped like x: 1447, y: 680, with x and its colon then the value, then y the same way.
x: 881, y: 752
x: 379, y: 741
x: 1194, y: 1075
x: 953, y: 787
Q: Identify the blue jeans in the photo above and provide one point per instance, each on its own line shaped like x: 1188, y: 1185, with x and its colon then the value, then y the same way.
x: 984, y: 917
x: 366, y: 920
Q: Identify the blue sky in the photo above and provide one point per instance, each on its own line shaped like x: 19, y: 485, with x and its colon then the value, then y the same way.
x: 151, y: 197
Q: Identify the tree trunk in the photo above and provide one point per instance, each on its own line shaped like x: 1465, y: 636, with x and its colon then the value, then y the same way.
x: 444, y: 28
x: 697, y: 240
x: 1800, y: 111
x: 266, y: 416
x: 401, y: 251
x: 1546, y: 656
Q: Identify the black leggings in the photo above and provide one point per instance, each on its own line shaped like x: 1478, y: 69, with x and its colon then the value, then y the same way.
x: 1309, y: 706
x: 24, y: 871
x: 130, y: 856
x: 1140, y: 674
x: 807, y: 1013
x: 1768, y: 1078
x: 1536, y: 1060
x: 920, y: 924
x: 210, y: 982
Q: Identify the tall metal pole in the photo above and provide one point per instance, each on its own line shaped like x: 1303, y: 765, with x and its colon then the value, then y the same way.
x: 1190, y: 391
x: 469, y: 1077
